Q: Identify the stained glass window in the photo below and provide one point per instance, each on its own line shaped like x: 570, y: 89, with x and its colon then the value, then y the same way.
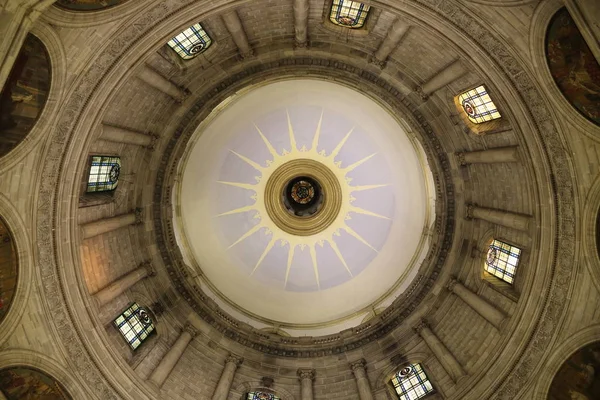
x: 135, y: 325
x: 191, y: 42
x: 262, y: 396
x: 104, y: 174
x: 411, y: 383
x: 478, y: 105
x: 351, y: 14
x: 502, y: 259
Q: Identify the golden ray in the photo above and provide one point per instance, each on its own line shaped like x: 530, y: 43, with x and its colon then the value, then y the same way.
x: 267, y: 143
x: 358, y: 237
x: 253, y: 164
x: 264, y: 254
x: 315, y: 141
x: 289, y: 264
x: 291, y: 132
x: 358, y: 163
x: 248, y: 186
x: 249, y: 233
x: 336, y: 250
x: 366, y: 187
x: 337, y: 149
x: 239, y: 210
x: 359, y: 210
x: 313, y: 256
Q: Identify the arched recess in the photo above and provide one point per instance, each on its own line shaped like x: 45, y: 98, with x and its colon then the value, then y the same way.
x: 19, y: 247
x: 8, y: 269
x: 86, y: 5
x: 52, y: 45
x: 256, y: 386
x: 591, y: 233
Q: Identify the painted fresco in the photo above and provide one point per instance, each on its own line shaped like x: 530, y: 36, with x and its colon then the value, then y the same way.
x: 579, y: 377
x: 573, y: 66
x: 24, y: 93
x: 8, y: 270
x: 28, y: 384
x: 88, y: 5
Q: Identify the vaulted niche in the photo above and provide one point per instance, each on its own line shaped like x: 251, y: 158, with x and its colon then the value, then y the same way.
x: 8, y: 270
x: 88, y: 5
x: 24, y: 94
x: 21, y: 383
x: 578, y: 378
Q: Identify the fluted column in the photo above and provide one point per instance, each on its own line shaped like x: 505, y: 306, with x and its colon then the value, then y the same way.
x: 362, y: 381
x: 231, y: 364
x: 441, y: 79
x: 157, y: 81
x: 101, y: 226
x: 168, y: 362
x: 500, y: 217
x: 306, y: 377
x: 482, y: 307
x: 235, y: 28
x: 441, y: 352
x: 301, y: 22
x: 121, y: 135
x: 390, y: 42
x: 119, y: 286
x: 497, y: 155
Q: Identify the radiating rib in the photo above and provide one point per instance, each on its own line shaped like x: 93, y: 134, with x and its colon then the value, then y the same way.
x: 291, y: 132
x: 289, y: 263
x: 358, y: 163
x: 366, y: 187
x: 253, y: 164
x: 358, y: 237
x: 313, y: 256
x: 337, y: 149
x: 359, y: 210
x: 336, y: 250
x: 248, y: 186
x: 315, y: 141
x: 245, y: 235
x: 264, y: 254
x: 239, y: 210
x: 267, y: 143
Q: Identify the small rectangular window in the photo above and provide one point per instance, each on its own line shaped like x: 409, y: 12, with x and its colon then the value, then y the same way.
x: 135, y: 325
x: 191, y: 42
x: 104, y: 174
x: 502, y: 260
x: 478, y: 105
x: 351, y: 14
x: 411, y: 383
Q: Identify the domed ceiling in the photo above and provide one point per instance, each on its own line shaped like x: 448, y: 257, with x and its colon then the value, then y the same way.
x: 303, y: 202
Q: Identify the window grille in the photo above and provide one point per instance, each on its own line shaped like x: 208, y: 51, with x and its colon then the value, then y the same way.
x: 502, y: 259
x: 135, y: 325
x: 191, y: 42
x: 411, y: 383
x: 261, y: 396
x: 478, y: 105
x: 351, y: 14
x: 104, y: 174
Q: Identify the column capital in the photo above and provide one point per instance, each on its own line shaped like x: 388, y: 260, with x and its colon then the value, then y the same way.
x: 149, y: 268
x: 460, y: 157
x: 470, y: 210
x: 191, y: 329
x: 375, y: 61
x: 234, y: 359
x: 419, y: 90
x: 421, y: 326
x: 306, y: 373
x: 359, y: 365
x: 139, y: 217
x: 452, y: 283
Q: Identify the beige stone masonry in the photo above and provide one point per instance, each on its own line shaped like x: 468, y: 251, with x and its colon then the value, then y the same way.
x: 121, y: 135
x: 500, y: 217
x: 168, y: 362
x: 483, y: 308
x: 119, y: 286
x: 491, y: 156
x: 441, y: 352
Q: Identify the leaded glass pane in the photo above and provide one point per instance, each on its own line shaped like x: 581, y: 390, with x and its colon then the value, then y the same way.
x: 478, y: 105
x: 191, y: 42
x: 411, y: 383
x: 262, y: 396
x: 351, y: 14
x: 135, y: 325
x: 104, y: 174
x: 502, y: 259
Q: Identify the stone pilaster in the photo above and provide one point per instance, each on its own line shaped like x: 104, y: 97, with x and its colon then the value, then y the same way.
x: 301, y: 22
x: 306, y: 377
x: 442, y: 78
x: 231, y: 364
x: 159, y: 82
x: 482, y: 307
x: 441, y: 352
x: 497, y: 155
x: 238, y: 34
x: 499, y: 217
x: 119, y: 286
x: 390, y: 42
x: 105, y: 225
x: 121, y: 135
x: 362, y: 381
x: 168, y: 362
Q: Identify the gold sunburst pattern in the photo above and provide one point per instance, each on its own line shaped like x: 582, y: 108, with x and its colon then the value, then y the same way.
x: 298, y: 233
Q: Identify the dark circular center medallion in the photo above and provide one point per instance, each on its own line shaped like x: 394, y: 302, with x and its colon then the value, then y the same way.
x: 303, y: 196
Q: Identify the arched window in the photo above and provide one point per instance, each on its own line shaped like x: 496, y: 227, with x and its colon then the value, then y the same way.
x: 502, y: 260
x: 135, y: 325
x: 411, y: 383
x: 351, y: 14
x: 191, y: 42
x: 104, y: 174
x: 261, y: 396
x: 478, y: 105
